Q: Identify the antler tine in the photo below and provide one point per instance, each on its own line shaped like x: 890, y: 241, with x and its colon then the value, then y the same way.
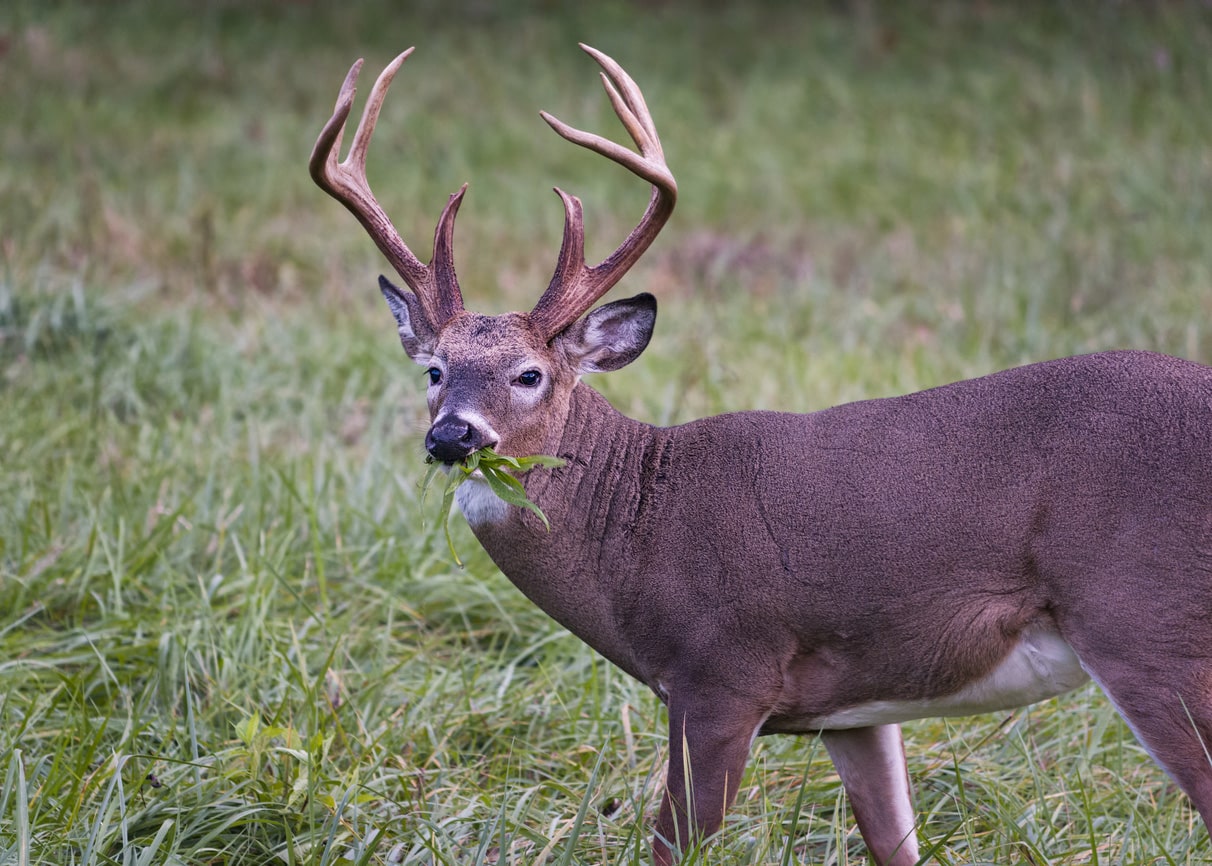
x: 574, y: 288
x: 435, y: 285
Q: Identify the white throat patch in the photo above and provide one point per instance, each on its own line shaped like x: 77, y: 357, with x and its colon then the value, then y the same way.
x: 478, y: 503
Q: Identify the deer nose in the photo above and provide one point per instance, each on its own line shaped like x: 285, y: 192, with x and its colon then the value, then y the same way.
x: 452, y: 438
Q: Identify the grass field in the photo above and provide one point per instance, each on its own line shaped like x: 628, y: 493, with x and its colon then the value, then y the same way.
x: 230, y: 631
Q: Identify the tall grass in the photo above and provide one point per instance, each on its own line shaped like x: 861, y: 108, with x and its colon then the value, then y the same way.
x: 229, y: 630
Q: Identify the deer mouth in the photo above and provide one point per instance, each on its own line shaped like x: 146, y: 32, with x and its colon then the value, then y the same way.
x: 452, y: 439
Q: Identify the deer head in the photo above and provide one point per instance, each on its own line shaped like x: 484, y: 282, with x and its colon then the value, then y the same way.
x: 505, y: 381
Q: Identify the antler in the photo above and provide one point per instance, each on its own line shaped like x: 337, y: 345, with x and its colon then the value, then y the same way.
x: 574, y: 287
x: 435, y: 285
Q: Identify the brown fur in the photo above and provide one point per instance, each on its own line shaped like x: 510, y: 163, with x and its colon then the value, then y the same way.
x: 770, y: 568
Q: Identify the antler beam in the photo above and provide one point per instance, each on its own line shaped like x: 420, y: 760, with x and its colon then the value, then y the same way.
x: 575, y: 287
x: 435, y: 285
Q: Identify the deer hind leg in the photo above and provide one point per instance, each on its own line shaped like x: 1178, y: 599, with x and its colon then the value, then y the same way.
x: 1168, y: 705
x: 871, y: 762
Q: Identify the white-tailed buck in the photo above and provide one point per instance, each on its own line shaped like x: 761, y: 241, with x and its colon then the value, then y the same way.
x: 970, y: 548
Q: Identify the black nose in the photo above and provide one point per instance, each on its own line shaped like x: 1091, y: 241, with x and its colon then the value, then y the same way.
x: 452, y: 439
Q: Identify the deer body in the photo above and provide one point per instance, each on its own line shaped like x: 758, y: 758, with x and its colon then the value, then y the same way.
x: 993, y: 533
x: 1085, y: 478
x: 974, y: 547
x: 950, y: 561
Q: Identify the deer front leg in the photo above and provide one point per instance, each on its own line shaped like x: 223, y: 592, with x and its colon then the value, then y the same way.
x: 871, y: 762
x: 708, y: 747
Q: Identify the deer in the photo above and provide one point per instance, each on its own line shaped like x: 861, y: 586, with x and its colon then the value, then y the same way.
x: 970, y: 548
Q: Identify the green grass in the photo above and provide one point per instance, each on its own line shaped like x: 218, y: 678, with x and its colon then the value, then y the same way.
x: 229, y: 631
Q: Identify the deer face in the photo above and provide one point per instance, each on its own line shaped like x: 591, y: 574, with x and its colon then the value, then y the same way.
x: 506, y: 381
x: 495, y: 381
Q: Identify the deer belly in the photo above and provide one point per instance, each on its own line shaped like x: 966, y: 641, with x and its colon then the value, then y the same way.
x: 1040, y: 666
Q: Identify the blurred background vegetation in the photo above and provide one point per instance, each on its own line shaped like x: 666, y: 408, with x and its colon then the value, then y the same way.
x: 229, y: 632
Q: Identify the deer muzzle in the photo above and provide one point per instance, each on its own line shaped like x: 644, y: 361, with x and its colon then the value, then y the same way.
x: 452, y: 438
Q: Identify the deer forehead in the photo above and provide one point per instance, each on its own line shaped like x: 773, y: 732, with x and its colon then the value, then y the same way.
x: 491, y: 343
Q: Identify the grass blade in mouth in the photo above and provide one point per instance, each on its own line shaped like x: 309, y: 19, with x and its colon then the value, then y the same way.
x: 497, y: 470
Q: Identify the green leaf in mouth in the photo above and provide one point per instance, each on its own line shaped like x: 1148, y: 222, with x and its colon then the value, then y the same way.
x: 497, y: 470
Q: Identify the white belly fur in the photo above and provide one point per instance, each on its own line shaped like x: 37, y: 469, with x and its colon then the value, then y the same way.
x: 1041, y: 666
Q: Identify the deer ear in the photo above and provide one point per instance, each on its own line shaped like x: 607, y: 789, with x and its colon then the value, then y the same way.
x: 612, y: 336
x: 415, y: 334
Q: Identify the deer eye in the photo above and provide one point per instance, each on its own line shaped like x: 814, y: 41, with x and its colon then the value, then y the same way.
x: 530, y: 378
x: 434, y: 374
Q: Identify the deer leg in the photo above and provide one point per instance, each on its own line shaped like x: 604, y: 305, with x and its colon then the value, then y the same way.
x: 871, y: 762
x: 1169, y: 709
x: 708, y: 749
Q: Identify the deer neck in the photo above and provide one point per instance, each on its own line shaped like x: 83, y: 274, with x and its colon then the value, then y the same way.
x: 593, y: 503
